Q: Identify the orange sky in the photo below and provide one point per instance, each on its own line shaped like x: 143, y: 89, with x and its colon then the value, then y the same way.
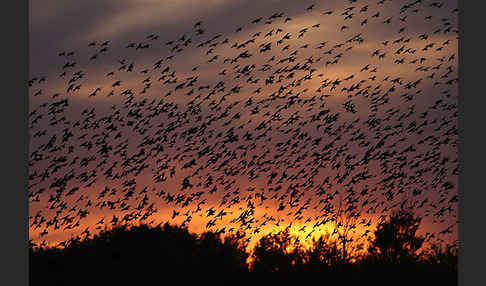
x: 121, y: 23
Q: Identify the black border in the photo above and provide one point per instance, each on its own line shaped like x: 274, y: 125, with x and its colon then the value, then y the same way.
x: 14, y: 139
x: 15, y: 61
x: 471, y: 124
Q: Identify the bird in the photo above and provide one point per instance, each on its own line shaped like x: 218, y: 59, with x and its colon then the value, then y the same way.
x: 214, y: 128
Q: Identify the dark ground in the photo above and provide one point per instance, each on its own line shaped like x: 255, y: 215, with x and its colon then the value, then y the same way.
x: 170, y: 255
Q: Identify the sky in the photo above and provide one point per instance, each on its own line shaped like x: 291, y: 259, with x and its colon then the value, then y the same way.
x: 357, y: 106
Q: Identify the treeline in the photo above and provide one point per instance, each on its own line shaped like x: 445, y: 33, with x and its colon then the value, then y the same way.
x: 171, y: 255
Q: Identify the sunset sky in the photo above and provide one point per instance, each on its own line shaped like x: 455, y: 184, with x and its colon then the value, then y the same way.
x: 279, y: 150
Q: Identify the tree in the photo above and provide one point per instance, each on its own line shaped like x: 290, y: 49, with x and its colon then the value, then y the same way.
x: 396, y: 238
x: 323, y: 255
x: 443, y: 255
x: 276, y: 252
x: 345, y: 219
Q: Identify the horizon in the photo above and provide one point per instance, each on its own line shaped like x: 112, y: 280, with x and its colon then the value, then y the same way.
x: 291, y: 148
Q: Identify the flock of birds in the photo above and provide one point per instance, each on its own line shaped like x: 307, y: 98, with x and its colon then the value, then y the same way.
x: 265, y: 132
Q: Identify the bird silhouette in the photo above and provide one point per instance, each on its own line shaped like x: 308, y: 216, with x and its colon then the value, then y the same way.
x: 281, y: 117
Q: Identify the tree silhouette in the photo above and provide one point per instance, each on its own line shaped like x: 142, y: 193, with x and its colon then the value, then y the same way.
x: 143, y: 255
x: 276, y: 252
x: 323, y: 256
x: 344, y: 225
x: 140, y: 255
x: 229, y: 251
x: 443, y: 255
x: 396, y: 239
